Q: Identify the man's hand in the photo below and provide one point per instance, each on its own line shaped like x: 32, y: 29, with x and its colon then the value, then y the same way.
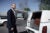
x: 12, y: 29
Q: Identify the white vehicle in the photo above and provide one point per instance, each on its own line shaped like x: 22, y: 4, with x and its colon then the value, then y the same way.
x: 39, y: 22
x: 3, y: 21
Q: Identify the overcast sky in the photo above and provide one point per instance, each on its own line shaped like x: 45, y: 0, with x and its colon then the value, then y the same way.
x: 5, y: 5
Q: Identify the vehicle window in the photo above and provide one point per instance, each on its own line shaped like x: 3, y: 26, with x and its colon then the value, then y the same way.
x: 22, y: 15
x: 19, y: 15
x: 35, y: 20
x: 3, y: 17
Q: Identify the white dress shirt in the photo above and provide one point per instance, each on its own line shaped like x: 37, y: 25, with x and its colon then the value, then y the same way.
x: 14, y: 12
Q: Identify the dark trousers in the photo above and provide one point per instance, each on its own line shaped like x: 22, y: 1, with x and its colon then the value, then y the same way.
x: 15, y: 30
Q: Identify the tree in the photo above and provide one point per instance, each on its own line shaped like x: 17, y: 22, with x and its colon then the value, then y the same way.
x: 45, y: 1
x: 27, y: 9
x: 45, y: 5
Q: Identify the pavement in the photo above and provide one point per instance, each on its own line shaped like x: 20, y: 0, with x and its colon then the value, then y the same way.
x: 21, y: 24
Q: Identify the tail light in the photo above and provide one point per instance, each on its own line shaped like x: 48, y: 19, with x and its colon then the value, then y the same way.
x: 44, y: 30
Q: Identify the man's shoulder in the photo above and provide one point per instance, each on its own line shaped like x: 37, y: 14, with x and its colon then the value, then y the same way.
x: 9, y: 11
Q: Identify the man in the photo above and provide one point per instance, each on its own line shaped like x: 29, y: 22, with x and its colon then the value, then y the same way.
x: 37, y: 21
x: 11, y: 24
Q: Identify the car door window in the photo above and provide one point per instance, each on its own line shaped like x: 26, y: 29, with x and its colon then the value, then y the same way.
x: 22, y: 15
x: 19, y: 15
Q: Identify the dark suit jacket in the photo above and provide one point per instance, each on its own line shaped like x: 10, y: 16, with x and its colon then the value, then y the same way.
x: 11, y: 19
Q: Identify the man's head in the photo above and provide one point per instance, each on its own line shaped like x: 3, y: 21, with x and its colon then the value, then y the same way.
x: 37, y: 21
x: 13, y: 6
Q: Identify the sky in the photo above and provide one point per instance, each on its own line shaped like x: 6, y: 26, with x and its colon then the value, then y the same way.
x: 5, y: 5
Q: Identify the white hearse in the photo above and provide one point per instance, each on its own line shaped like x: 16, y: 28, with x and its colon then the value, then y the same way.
x: 39, y: 22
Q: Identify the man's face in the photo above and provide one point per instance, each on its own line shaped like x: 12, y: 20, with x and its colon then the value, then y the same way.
x: 13, y: 6
x: 37, y: 21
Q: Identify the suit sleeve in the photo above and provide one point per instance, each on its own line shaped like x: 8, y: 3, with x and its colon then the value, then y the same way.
x: 9, y: 19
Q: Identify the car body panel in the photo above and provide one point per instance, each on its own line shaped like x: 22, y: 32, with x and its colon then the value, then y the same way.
x: 2, y: 21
